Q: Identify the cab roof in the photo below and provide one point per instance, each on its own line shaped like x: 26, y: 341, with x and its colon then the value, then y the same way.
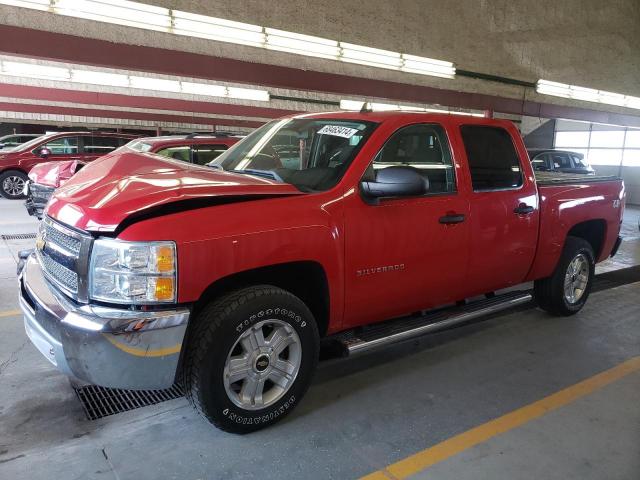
x: 408, y: 116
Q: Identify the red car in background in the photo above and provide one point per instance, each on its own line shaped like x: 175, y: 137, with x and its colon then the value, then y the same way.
x: 16, y: 163
x: 193, y: 148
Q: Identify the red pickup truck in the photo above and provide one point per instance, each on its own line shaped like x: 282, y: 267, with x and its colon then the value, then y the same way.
x: 352, y: 227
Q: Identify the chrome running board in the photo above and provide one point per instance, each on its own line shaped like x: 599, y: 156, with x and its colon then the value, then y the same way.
x: 367, y: 338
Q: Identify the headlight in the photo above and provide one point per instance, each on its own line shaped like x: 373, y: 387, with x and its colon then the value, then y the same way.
x: 133, y: 272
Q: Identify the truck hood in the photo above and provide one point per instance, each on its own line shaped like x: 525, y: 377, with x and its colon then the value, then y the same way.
x: 116, y: 187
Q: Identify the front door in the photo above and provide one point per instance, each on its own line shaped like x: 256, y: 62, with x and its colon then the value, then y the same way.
x: 407, y: 254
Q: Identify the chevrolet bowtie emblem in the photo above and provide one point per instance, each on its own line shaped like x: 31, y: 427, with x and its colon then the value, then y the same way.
x: 41, y: 241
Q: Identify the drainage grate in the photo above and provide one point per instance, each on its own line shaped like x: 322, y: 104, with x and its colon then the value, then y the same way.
x: 18, y: 236
x: 98, y: 402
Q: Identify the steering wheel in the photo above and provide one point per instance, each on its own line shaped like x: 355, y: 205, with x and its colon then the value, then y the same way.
x: 267, y: 159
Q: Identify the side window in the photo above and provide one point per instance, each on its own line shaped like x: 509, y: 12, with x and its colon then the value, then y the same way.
x: 181, y: 152
x: 578, y: 161
x: 203, y: 154
x: 425, y: 148
x: 493, y: 160
x: 62, y: 146
x: 540, y: 162
x: 100, y: 145
x: 561, y: 160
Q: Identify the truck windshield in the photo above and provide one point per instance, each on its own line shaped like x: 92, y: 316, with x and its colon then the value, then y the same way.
x: 311, y: 154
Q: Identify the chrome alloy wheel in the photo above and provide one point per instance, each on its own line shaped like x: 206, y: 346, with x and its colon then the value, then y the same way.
x: 13, y: 185
x: 576, y: 279
x: 262, y: 364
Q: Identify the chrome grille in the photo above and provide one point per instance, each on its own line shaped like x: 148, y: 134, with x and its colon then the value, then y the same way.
x: 40, y: 192
x: 58, y: 238
x: 63, y: 254
x: 67, y: 278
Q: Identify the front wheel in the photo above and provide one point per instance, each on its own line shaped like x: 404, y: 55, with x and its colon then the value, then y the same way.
x: 12, y: 184
x: 566, y: 291
x: 251, y: 358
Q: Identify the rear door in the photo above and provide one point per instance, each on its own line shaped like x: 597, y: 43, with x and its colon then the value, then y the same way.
x: 503, y: 209
x: 410, y: 253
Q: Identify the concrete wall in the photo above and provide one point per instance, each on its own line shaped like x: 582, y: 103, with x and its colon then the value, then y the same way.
x: 590, y: 43
x: 540, y: 137
x: 584, y: 42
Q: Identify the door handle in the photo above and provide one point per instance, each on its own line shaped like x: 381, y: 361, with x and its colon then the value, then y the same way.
x: 523, y: 209
x: 452, y: 218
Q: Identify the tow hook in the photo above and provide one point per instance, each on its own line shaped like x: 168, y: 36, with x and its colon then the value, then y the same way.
x: 22, y: 259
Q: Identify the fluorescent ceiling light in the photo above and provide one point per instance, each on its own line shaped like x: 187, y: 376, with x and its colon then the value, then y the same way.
x: 204, y: 89
x: 384, y: 107
x: 112, y: 79
x: 33, y: 4
x: 33, y: 70
x: 351, y: 105
x: 574, y: 92
x: 99, y: 78
x: 370, y: 56
x: 248, y: 94
x: 191, y: 24
x: 149, y: 83
x: 427, y: 66
x: 120, y: 12
x: 301, y: 44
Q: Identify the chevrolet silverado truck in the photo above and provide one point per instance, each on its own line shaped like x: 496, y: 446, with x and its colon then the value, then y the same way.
x: 360, y: 229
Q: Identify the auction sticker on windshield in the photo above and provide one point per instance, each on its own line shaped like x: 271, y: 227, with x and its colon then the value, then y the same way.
x: 338, y: 131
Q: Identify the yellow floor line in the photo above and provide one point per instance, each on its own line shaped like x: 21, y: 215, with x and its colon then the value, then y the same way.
x: 454, y: 445
x: 10, y: 313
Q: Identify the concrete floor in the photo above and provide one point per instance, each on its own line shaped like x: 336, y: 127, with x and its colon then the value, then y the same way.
x: 360, y: 414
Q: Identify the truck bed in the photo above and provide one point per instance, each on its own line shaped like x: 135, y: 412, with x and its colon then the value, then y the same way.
x: 557, y: 178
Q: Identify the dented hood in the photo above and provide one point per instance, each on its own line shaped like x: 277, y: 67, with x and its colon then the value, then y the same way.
x: 113, y: 188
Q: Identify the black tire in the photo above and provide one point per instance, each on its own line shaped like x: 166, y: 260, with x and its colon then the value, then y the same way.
x: 218, y: 328
x: 550, y: 293
x: 9, y: 178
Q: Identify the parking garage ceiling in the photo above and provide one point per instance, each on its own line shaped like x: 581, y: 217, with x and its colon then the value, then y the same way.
x: 499, y: 78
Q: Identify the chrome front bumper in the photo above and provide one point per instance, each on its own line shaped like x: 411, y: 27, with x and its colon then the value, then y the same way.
x: 110, y: 347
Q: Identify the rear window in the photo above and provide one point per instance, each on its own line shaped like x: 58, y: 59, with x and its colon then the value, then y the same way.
x: 180, y: 152
x: 493, y: 160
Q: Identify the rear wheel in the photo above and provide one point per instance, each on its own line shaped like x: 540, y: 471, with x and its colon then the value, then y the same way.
x: 566, y: 291
x: 250, y: 358
x: 12, y: 184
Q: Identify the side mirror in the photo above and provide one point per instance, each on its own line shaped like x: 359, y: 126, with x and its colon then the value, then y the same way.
x: 395, y: 182
x: 44, y: 153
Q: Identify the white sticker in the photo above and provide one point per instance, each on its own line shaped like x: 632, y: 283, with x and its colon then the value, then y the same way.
x: 338, y: 131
